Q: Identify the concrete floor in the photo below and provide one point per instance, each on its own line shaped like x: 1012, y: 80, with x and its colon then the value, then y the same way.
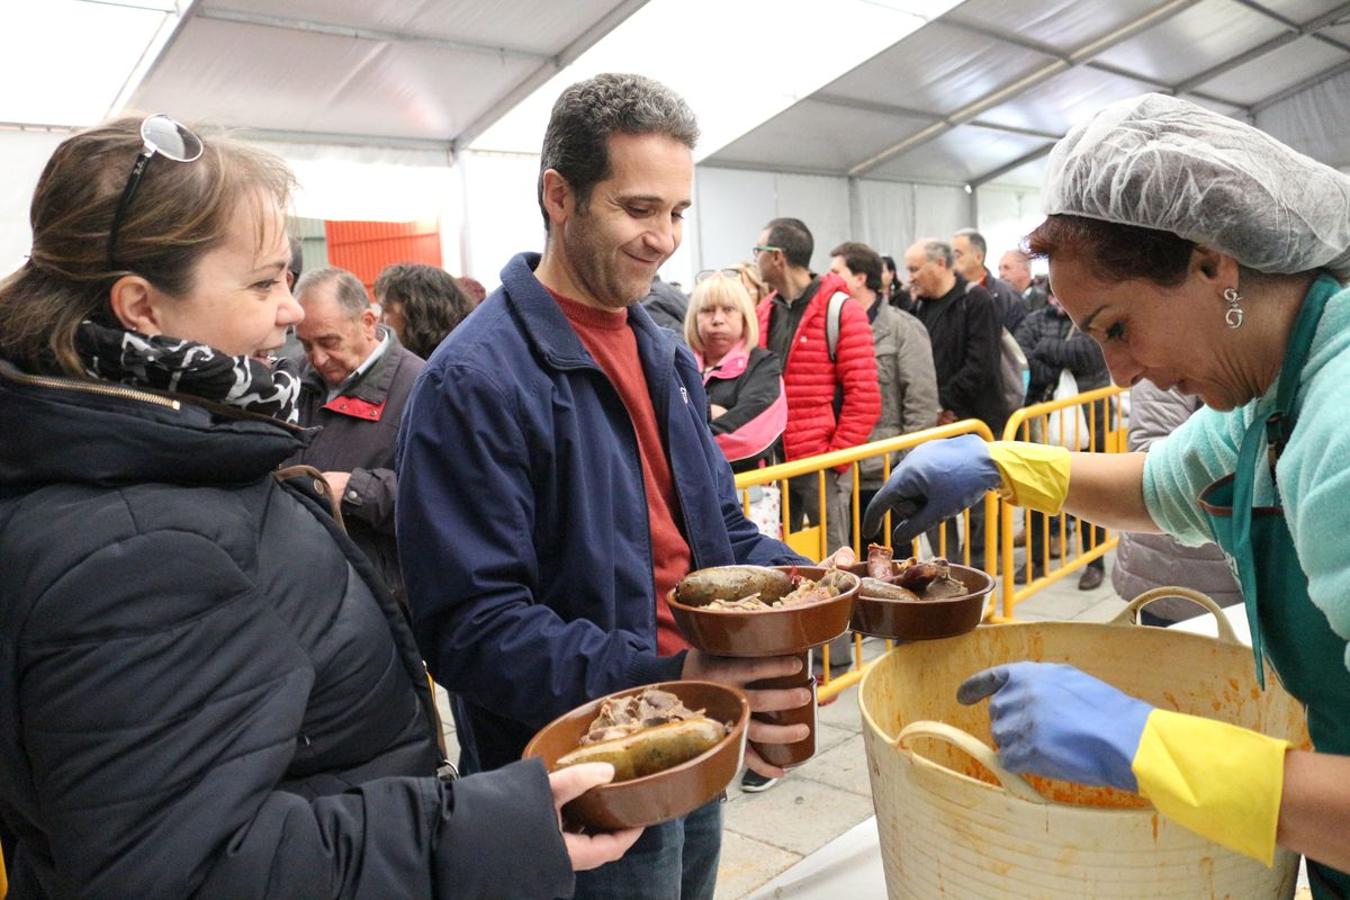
x: 768, y: 832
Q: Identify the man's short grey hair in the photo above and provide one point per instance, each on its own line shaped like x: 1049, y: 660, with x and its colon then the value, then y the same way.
x: 976, y: 240
x: 351, y: 293
x: 934, y: 250
x: 576, y: 143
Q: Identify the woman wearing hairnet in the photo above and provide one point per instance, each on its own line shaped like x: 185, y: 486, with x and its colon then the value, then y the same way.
x: 1203, y: 255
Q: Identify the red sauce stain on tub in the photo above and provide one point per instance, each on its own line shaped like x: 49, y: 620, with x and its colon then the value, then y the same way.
x: 1207, y: 875
x: 1155, y: 828
x: 1065, y: 791
x: 1086, y: 794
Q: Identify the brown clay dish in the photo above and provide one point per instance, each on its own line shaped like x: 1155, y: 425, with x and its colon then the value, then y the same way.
x: 665, y: 795
x: 923, y: 620
x: 766, y: 632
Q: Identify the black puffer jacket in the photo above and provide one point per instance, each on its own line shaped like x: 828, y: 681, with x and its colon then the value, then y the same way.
x: 1052, y: 344
x: 200, y: 694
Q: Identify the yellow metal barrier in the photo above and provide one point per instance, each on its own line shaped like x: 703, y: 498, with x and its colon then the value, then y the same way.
x: 811, y: 541
x: 1075, y: 545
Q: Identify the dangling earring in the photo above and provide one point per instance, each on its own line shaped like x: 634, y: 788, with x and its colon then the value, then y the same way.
x: 1234, y: 315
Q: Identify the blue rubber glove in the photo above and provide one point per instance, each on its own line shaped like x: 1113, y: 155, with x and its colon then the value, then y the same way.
x: 1054, y: 720
x: 935, y: 481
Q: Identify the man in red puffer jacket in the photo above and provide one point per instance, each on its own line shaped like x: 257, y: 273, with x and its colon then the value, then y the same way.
x: 833, y: 399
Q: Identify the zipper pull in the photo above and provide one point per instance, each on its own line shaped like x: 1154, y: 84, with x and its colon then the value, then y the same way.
x: 685, y: 394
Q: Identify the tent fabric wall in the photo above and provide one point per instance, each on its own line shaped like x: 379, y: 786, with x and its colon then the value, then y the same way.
x: 1007, y: 215
x: 1302, y: 122
x: 367, y: 184
x: 500, y: 215
x: 734, y: 204
x: 732, y: 207
x: 25, y: 154
x: 823, y: 204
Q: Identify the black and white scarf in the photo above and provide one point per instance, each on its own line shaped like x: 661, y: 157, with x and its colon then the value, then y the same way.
x: 186, y: 367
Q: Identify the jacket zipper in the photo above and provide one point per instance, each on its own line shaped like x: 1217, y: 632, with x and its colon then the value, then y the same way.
x: 106, y: 390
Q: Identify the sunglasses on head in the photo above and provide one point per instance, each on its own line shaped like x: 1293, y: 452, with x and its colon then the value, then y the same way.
x: 161, y: 136
x: 710, y: 273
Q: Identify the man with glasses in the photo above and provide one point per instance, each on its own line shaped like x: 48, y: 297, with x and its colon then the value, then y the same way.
x: 833, y: 400
x: 557, y: 476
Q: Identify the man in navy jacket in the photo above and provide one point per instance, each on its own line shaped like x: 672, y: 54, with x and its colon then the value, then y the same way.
x: 549, y: 492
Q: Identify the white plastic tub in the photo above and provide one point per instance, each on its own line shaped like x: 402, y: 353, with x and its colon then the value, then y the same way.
x: 953, y: 823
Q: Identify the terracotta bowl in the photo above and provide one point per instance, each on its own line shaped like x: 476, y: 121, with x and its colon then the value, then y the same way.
x: 665, y: 795
x: 923, y: 620
x: 766, y: 632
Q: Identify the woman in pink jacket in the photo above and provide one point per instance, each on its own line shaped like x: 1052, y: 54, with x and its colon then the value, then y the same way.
x: 747, y: 409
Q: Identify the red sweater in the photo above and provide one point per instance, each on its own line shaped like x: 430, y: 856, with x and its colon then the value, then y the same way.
x: 607, y: 337
x: 809, y: 377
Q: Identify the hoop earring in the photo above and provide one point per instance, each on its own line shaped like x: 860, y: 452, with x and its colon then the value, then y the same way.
x: 1233, y: 317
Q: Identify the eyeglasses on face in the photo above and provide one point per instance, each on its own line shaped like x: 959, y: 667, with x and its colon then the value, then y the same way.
x: 765, y: 248
x: 163, y: 136
x: 710, y: 273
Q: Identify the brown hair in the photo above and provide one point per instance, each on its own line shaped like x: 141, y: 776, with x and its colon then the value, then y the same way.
x: 180, y: 212
x: 431, y: 300
x: 860, y: 258
x: 750, y: 272
x: 576, y: 142
x: 1112, y: 251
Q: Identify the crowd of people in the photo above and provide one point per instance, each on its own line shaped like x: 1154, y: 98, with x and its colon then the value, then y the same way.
x: 229, y: 565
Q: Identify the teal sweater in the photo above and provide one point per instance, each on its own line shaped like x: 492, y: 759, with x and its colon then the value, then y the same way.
x: 1313, y: 471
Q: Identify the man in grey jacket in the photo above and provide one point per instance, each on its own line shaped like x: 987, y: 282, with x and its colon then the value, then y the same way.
x: 905, y: 373
x: 355, y: 386
x: 1147, y: 561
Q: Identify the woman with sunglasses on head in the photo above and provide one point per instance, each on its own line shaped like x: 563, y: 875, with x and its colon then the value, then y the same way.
x: 205, y: 691
x: 747, y: 408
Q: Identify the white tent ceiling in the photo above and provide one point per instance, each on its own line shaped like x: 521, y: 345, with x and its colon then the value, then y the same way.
x: 982, y: 93
x: 372, y: 101
x: 974, y: 96
x: 433, y: 72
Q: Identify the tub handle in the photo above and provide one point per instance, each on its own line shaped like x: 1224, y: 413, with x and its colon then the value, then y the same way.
x: 1014, y: 784
x: 1130, y: 614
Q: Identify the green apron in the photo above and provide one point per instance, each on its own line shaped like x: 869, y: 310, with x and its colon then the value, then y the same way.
x: 1286, y: 627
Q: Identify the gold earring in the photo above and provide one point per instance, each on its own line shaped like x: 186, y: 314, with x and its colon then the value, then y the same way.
x: 1234, y: 314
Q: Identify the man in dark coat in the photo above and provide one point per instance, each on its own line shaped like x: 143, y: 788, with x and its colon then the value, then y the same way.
x: 969, y: 251
x: 355, y: 387
x: 667, y: 305
x: 965, y: 326
x: 1052, y: 345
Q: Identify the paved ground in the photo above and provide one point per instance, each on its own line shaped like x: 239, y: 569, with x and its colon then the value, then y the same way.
x: 768, y: 832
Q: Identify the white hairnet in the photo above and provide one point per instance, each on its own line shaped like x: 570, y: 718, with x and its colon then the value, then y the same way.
x: 1161, y: 162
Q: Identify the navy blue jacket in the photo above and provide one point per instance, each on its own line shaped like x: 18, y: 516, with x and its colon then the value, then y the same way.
x: 522, y: 514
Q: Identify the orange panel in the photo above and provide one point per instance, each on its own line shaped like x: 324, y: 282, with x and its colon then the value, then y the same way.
x: 365, y: 248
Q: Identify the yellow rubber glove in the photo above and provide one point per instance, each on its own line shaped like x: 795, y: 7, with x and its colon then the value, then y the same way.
x: 1218, y: 780
x: 1035, y: 476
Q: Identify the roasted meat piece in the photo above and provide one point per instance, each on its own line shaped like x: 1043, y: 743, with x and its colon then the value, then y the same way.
x: 879, y: 561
